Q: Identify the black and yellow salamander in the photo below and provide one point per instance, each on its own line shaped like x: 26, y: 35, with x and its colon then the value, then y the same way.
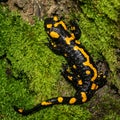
x: 80, y: 71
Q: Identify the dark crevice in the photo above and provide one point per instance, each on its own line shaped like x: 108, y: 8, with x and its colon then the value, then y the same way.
x: 113, y: 87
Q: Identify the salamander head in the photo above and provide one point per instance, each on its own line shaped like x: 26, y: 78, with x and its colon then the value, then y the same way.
x: 49, y: 22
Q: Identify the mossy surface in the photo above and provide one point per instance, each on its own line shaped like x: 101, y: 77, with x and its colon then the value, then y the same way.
x: 30, y: 71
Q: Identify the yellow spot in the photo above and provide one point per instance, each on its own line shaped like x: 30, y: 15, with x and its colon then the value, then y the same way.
x: 69, y: 39
x: 98, y: 76
x: 53, y: 44
x: 80, y: 82
x: 54, y: 34
x: 94, y: 86
x: 72, y: 101
x: 49, y: 25
x: 60, y: 23
x: 87, y: 72
x: 65, y: 54
x: 46, y: 103
x: 73, y: 28
x: 60, y: 99
x: 78, y: 75
x: 74, y: 66
x: 20, y: 110
x: 72, y: 35
x: 84, y: 97
x: 55, y: 18
x: 70, y: 77
x: 68, y: 69
x: 101, y: 73
x: 104, y: 76
x: 87, y: 62
x: 77, y: 42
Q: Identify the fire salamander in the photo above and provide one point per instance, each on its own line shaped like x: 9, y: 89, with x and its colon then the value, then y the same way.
x: 80, y: 71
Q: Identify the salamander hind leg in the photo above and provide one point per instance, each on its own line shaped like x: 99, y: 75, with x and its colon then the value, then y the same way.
x: 54, y: 47
x: 101, y: 80
x: 67, y: 74
x: 74, y: 79
x: 103, y: 70
x: 83, y: 96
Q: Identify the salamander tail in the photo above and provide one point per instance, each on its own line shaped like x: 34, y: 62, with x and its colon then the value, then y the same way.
x: 27, y: 112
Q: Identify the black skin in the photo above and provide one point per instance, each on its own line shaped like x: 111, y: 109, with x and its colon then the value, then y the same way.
x: 80, y: 69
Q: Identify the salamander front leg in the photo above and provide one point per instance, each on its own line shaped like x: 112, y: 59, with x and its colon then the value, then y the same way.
x: 103, y: 70
x: 55, y: 48
x: 101, y: 80
x: 75, y: 29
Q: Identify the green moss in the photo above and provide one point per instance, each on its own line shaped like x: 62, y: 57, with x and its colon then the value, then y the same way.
x: 112, y: 116
x: 32, y: 73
